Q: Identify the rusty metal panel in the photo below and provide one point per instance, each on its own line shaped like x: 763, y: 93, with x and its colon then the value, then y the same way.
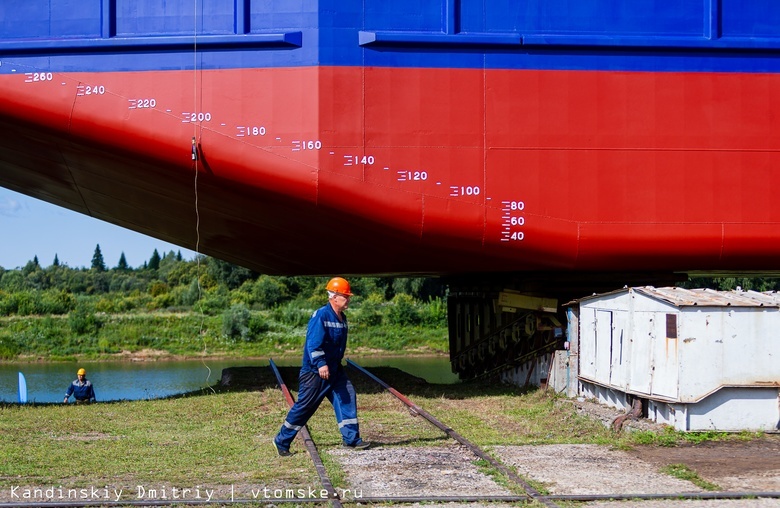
x: 682, y: 297
x: 517, y: 300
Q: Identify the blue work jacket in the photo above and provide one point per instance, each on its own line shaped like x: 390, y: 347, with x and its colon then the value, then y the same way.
x: 326, y: 340
x: 81, y: 391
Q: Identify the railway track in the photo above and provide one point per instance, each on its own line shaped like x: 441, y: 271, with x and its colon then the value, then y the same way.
x: 308, y: 442
x: 531, y: 494
x: 336, y: 501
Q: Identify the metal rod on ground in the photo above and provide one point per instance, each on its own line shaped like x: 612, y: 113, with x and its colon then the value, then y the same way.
x: 392, y: 499
x: 686, y: 495
x: 309, y: 443
x: 156, y: 502
x: 441, y: 499
x: 532, y: 492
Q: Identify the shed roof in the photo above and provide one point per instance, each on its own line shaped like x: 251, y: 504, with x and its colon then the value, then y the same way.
x: 681, y: 297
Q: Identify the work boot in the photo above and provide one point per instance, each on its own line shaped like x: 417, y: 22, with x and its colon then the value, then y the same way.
x: 360, y: 445
x: 281, y: 451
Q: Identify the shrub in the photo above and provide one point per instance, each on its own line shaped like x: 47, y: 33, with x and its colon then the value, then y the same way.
x: 269, y: 292
x: 7, y: 303
x: 241, y: 296
x: 57, y: 302
x: 403, y: 311
x: 9, y: 349
x: 162, y: 301
x: 36, y: 302
x: 257, y: 326
x: 292, y: 314
x: 26, y: 303
x: 82, y: 321
x: 214, y: 301
x: 105, y: 304
x: 434, y: 313
x: 370, y: 311
x: 133, y: 302
x: 158, y: 288
x: 235, y: 322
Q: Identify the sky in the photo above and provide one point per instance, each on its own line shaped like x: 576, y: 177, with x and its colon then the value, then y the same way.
x: 31, y: 227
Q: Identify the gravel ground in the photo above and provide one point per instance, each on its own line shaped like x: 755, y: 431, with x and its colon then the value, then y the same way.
x: 426, y: 472
x: 589, y: 469
x: 449, y: 471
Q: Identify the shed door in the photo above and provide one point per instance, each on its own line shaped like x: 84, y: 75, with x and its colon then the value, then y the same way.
x: 603, y: 341
x: 665, y: 370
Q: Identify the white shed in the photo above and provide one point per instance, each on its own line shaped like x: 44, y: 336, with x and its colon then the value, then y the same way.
x: 698, y: 359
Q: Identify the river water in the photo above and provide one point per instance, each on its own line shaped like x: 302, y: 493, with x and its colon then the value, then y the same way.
x: 127, y: 380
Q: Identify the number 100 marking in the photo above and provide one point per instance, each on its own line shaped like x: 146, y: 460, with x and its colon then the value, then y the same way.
x: 464, y: 190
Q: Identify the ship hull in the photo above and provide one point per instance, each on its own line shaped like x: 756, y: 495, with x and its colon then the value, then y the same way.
x: 467, y: 170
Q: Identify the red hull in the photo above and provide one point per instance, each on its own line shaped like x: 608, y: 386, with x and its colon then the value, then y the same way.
x: 320, y: 170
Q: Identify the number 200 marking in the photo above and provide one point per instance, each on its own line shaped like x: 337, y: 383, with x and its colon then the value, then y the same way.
x: 200, y: 117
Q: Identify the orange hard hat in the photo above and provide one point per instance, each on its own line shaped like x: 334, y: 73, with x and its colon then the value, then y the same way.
x: 339, y: 285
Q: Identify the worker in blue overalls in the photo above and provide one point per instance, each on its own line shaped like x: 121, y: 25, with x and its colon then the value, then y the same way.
x: 81, y: 389
x: 322, y: 374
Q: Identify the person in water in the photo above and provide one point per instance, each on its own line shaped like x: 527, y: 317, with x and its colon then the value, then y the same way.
x: 81, y: 388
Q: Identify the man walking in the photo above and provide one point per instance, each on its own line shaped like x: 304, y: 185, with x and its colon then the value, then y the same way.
x: 322, y: 374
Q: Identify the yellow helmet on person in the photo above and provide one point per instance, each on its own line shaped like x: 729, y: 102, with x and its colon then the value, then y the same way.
x: 339, y: 285
x: 81, y: 372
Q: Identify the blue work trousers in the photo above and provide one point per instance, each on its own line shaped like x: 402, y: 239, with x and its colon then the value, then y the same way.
x: 311, y: 390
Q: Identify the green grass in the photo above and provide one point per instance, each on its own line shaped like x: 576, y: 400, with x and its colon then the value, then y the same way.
x: 221, y: 439
x: 684, y: 472
x: 189, y: 334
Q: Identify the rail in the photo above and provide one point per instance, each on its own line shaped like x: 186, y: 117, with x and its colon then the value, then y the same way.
x: 309, y: 444
x: 529, y: 490
x: 545, y: 499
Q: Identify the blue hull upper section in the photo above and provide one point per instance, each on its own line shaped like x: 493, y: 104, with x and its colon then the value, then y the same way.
x: 641, y: 35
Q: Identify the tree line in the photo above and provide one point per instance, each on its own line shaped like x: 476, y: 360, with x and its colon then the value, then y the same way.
x: 180, y: 305
x: 206, y: 284
x: 169, y: 282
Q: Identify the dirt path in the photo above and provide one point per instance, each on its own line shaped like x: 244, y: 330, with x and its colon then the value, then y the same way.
x: 449, y: 470
x: 733, y: 465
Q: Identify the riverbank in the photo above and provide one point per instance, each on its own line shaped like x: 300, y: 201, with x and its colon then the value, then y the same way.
x: 152, y: 355
x: 146, y: 336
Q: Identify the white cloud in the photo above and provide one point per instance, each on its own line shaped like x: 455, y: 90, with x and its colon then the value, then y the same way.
x: 10, y: 207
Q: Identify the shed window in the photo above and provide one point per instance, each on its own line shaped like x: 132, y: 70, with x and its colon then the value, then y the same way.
x: 671, y: 326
